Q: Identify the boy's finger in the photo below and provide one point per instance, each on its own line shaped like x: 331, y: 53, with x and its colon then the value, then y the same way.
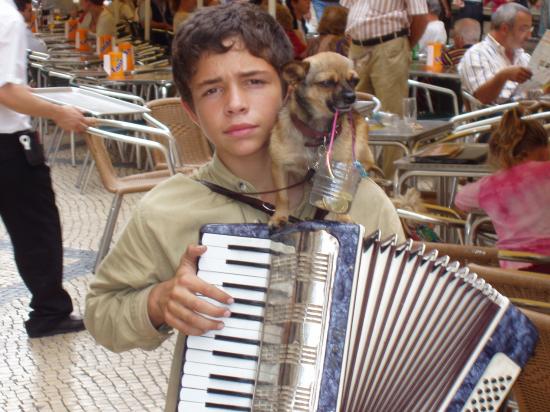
x: 189, y: 258
x: 188, y: 314
x: 213, y: 292
x: 183, y: 327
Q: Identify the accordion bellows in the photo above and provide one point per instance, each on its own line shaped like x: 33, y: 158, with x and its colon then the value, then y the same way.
x: 348, y: 323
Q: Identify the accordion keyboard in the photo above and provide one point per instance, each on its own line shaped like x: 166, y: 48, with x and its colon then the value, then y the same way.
x: 221, y: 366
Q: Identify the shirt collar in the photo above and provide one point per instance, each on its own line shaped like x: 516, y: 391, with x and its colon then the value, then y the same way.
x: 500, y: 48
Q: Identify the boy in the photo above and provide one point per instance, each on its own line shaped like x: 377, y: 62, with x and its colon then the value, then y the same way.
x: 226, y: 64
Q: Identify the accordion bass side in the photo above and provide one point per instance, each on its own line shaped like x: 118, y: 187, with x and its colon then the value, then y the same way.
x: 327, y: 320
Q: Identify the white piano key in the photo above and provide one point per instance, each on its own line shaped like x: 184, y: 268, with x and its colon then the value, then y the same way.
x: 216, y: 278
x: 220, y: 265
x: 238, y: 307
x: 209, y: 344
x: 205, y: 369
x: 221, y: 253
x: 201, y: 396
x: 205, y: 383
x: 211, y: 239
x: 185, y: 406
x: 208, y: 358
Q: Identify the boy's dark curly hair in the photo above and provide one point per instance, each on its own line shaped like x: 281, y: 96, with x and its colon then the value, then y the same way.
x: 206, y: 30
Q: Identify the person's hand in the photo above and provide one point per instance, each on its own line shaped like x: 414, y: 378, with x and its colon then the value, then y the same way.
x: 458, y: 3
x: 71, y: 119
x: 175, y: 302
x: 517, y: 74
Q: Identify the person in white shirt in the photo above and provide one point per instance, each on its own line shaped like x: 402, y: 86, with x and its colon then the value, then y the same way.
x: 33, y: 43
x: 435, y: 30
x: 492, y: 69
x: 27, y: 203
x: 97, y: 19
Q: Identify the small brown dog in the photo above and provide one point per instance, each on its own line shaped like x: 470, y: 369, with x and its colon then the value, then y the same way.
x: 319, y: 86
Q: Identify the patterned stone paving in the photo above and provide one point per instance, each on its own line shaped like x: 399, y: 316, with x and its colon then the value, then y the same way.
x: 70, y: 372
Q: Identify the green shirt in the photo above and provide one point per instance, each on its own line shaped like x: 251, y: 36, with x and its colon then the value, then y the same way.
x: 164, y: 223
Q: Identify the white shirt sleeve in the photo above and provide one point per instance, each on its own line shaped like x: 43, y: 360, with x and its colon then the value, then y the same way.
x: 13, y: 46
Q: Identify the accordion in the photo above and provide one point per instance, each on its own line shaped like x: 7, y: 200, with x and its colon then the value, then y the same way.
x: 326, y: 319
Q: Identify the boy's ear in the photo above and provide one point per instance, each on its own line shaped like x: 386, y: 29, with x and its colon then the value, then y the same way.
x: 294, y: 72
x: 190, y: 112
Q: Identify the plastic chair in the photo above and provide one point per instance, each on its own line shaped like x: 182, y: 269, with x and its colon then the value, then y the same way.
x: 192, y: 148
x: 120, y: 186
x: 532, y: 389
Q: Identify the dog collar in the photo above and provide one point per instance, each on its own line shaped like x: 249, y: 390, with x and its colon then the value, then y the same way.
x: 314, y: 137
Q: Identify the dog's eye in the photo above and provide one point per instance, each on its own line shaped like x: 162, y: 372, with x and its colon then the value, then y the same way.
x: 354, y: 81
x: 327, y: 83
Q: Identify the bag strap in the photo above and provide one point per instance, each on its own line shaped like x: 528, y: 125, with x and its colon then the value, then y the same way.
x: 258, y: 204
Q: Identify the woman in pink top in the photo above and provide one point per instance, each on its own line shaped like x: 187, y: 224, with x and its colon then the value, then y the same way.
x: 517, y: 196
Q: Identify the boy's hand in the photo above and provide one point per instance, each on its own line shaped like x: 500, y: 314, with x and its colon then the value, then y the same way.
x: 175, y: 302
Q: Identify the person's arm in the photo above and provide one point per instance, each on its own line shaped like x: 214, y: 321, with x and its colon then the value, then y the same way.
x: 467, y: 197
x: 419, y: 22
x: 489, y: 91
x: 18, y: 98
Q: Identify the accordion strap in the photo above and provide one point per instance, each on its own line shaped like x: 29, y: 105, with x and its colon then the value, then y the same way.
x: 262, y: 206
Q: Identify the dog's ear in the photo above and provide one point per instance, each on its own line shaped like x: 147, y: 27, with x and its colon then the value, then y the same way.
x: 294, y: 72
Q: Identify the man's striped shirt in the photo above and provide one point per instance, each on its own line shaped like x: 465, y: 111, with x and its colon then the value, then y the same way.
x: 483, y: 61
x: 368, y: 19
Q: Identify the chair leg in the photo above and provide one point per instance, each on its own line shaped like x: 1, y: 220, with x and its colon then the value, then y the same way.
x: 83, y: 169
x: 87, y: 177
x: 105, y: 242
x: 73, y: 150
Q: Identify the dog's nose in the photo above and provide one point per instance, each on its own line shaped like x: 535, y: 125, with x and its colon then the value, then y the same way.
x: 349, y: 96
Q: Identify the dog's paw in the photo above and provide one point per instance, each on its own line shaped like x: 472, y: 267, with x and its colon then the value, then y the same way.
x: 278, y: 221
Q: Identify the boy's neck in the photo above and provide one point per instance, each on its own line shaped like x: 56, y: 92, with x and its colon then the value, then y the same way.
x: 255, y: 169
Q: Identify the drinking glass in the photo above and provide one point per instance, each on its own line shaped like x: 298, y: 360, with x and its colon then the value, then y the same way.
x: 409, y: 110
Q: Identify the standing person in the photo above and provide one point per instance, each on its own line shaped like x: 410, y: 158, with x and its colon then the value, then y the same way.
x: 435, y: 30
x: 383, y: 32
x: 516, y: 196
x: 544, y: 23
x: 231, y: 86
x: 299, y: 9
x: 27, y: 203
x: 472, y: 9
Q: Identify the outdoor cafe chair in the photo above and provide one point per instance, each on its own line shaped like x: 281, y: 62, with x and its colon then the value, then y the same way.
x: 428, y: 88
x: 119, y: 186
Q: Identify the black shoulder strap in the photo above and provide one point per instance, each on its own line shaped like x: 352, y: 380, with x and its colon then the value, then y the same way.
x: 265, y: 207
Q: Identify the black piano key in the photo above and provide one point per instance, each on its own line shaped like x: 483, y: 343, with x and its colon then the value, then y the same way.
x: 249, y: 264
x: 231, y: 378
x: 237, y: 340
x: 250, y: 302
x: 234, y: 355
x: 229, y: 393
x: 228, y: 407
x: 250, y: 249
x: 246, y: 316
x: 244, y: 287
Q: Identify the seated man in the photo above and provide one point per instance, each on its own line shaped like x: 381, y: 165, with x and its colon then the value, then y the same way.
x: 231, y: 87
x: 33, y: 42
x: 492, y: 69
x: 97, y: 18
x: 466, y: 33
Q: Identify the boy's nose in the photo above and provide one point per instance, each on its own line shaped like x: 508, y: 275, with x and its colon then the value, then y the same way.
x: 236, y: 101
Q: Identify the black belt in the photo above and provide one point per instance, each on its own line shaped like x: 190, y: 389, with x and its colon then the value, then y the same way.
x: 382, y: 39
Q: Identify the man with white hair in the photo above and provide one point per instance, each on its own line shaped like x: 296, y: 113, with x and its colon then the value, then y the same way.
x: 435, y: 30
x: 492, y: 69
x: 466, y: 33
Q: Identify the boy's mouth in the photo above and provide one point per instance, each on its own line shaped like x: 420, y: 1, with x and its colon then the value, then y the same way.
x: 240, y: 129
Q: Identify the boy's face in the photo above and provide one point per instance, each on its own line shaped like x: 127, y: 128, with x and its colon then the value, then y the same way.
x: 236, y: 99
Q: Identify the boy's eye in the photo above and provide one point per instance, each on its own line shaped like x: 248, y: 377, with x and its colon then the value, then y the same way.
x: 254, y: 82
x: 327, y: 83
x: 211, y: 91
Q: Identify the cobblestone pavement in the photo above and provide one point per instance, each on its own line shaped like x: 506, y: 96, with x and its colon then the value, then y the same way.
x: 71, y: 372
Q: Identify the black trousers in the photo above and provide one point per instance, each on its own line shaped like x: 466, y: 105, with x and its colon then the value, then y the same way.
x: 473, y: 10
x: 29, y: 212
